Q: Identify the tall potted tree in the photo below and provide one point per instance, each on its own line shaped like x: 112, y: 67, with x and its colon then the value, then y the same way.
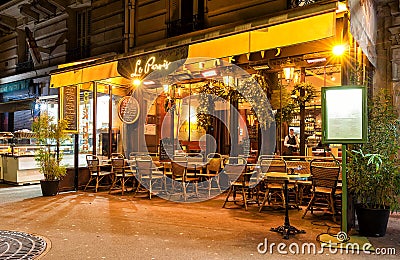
x: 373, y: 168
x: 50, y: 134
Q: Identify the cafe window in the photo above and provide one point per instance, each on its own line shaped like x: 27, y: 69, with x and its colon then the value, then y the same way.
x: 85, y: 124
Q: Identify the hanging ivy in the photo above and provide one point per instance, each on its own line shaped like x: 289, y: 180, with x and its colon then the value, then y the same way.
x: 208, y: 94
x: 258, y: 101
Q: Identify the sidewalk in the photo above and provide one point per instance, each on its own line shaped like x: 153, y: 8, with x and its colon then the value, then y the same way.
x: 85, y: 225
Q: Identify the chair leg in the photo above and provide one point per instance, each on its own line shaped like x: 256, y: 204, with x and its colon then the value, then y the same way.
x: 114, y: 182
x: 309, y: 206
x: 264, y: 200
x: 244, y: 198
x: 227, y: 197
x: 332, y: 205
x: 90, y: 179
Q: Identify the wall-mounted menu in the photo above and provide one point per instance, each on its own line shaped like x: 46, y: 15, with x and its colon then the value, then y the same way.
x: 70, y: 107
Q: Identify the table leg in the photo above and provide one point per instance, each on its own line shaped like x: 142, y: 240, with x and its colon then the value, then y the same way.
x: 287, y: 229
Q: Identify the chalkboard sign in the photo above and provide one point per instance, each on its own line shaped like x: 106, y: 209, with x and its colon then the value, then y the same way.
x: 128, y: 110
x: 166, y: 149
x: 70, y: 102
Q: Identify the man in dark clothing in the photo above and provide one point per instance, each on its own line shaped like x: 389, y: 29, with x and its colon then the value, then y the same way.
x: 291, y: 143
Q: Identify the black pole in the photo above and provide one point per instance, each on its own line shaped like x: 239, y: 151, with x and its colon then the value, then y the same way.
x: 76, y: 161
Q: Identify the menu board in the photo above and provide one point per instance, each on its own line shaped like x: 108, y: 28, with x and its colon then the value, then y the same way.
x: 344, y: 114
x: 128, y: 110
x: 70, y: 107
x: 166, y: 149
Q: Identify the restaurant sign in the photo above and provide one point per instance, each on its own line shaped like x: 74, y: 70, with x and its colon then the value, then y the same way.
x: 70, y: 107
x: 128, y: 110
x: 141, y: 65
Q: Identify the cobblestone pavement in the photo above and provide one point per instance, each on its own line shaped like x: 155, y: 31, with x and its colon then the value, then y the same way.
x: 86, y: 225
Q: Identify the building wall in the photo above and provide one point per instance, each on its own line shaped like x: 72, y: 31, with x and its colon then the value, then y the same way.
x: 107, y: 27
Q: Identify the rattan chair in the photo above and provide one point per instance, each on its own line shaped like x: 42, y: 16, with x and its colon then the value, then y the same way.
x: 121, y: 173
x: 324, y: 182
x: 213, y: 168
x: 235, y: 169
x: 148, y: 175
x: 180, y: 178
x: 96, y: 174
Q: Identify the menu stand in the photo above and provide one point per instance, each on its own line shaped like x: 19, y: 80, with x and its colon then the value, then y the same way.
x: 287, y: 229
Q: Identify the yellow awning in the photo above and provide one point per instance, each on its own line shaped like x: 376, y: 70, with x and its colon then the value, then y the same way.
x: 285, y: 34
x: 68, y: 77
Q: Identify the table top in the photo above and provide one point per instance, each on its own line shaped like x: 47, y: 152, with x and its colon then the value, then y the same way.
x: 286, y: 176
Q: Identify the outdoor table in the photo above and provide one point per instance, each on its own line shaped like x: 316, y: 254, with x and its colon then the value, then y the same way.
x: 286, y: 229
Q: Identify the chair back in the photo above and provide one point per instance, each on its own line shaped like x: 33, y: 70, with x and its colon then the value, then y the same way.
x: 93, y: 163
x: 144, y: 165
x: 117, y: 155
x: 213, y: 155
x: 234, y: 168
x: 214, y: 164
x: 178, y: 169
x: 325, y: 175
x: 195, y: 157
x: 271, y: 164
x: 118, y: 165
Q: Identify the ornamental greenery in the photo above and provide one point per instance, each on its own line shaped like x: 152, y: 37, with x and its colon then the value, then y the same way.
x: 49, y: 134
x: 248, y: 90
x: 309, y: 93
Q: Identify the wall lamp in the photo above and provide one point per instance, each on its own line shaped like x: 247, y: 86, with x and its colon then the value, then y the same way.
x: 288, y: 69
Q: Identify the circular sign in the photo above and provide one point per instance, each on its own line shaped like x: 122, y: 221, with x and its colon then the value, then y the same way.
x: 128, y: 110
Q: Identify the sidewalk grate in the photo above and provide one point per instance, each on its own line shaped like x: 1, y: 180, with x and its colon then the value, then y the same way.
x: 19, y: 245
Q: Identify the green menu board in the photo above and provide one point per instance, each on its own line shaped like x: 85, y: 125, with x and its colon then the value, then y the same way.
x: 344, y: 114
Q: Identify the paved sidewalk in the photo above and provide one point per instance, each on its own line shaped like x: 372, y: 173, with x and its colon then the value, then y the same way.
x: 85, y: 225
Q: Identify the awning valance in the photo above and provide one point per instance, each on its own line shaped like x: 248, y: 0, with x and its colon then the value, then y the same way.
x: 284, y: 34
x: 68, y: 77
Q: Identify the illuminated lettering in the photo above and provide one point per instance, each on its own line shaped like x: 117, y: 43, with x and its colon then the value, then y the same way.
x: 149, y: 66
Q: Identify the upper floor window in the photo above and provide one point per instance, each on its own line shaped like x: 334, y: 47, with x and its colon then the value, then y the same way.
x: 82, y: 49
x: 185, y: 16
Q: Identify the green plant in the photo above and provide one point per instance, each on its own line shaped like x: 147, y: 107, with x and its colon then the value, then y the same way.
x: 49, y: 134
x: 373, y: 167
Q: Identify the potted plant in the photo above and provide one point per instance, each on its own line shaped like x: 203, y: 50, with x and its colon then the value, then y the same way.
x: 373, y: 168
x: 50, y: 134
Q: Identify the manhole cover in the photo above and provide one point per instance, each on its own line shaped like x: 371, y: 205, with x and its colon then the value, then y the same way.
x: 18, y: 245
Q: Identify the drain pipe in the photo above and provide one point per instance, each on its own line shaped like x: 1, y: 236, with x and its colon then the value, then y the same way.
x: 129, y: 31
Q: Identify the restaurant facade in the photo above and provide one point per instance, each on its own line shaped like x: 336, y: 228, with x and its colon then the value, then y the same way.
x: 281, y: 45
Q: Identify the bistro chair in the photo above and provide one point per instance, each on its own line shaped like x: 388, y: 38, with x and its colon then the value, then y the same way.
x: 213, y: 168
x: 148, y: 175
x: 324, y: 182
x: 301, y: 165
x: 235, y: 170
x: 121, y: 173
x: 272, y: 189
x: 179, y: 176
x: 96, y: 174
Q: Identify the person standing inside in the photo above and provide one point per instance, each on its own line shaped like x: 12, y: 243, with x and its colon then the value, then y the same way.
x: 291, y: 143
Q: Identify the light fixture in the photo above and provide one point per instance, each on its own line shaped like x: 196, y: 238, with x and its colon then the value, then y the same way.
x: 288, y: 69
x: 261, y: 67
x: 251, y: 119
x: 316, y: 60
x: 338, y: 50
x: 136, y: 82
x: 148, y: 82
x: 209, y: 73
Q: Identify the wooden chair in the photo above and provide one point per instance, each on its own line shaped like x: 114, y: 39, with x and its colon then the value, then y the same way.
x: 148, y: 175
x: 324, y: 182
x: 96, y: 174
x: 120, y: 173
x: 235, y: 168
